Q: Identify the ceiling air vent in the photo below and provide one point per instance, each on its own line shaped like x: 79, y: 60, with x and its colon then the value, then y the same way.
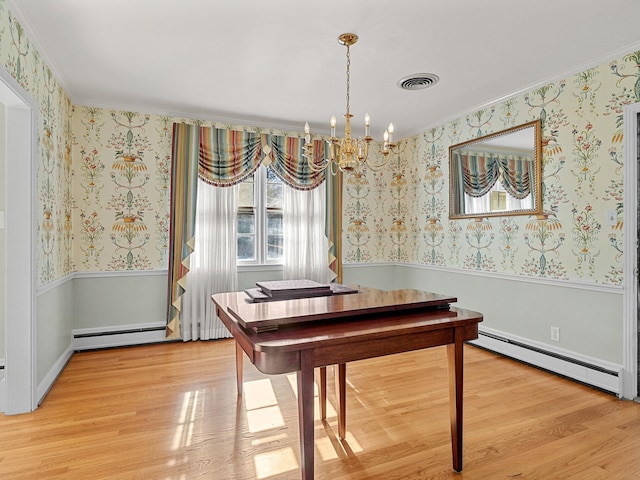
x: 418, y: 81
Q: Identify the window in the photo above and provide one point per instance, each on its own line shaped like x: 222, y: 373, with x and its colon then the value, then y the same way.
x: 496, y: 200
x: 260, y: 228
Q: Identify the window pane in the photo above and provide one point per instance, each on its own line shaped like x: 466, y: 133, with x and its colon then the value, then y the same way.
x: 246, y: 247
x: 245, y: 194
x: 274, y: 195
x: 274, y: 190
x: 274, y: 247
x: 274, y: 235
x: 246, y: 236
x: 246, y: 223
x: 274, y: 223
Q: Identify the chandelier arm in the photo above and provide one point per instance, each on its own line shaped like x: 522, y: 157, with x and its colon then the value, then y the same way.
x: 377, y: 167
x: 310, y: 156
x: 315, y: 167
x: 392, y: 151
x: 334, y: 168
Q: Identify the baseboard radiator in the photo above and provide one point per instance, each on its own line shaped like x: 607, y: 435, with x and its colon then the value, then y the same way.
x: 597, y: 374
x: 601, y: 375
x: 94, y: 338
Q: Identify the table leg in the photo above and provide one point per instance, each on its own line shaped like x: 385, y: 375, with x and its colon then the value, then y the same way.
x: 323, y: 393
x: 305, y: 413
x: 454, y: 354
x: 341, y: 399
x: 239, y: 364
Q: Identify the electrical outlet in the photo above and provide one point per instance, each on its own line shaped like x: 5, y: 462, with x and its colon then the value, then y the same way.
x: 555, y: 334
x: 612, y: 218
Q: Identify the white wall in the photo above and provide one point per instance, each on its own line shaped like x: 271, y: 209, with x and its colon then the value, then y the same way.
x: 54, y: 325
x: 107, y: 300
x: 102, y: 301
x: 589, y: 317
x: 2, y: 262
x: 111, y: 299
x: 2, y: 240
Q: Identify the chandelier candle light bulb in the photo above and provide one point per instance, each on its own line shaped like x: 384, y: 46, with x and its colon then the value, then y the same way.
x: 307, y: 133
x: 347, y: 154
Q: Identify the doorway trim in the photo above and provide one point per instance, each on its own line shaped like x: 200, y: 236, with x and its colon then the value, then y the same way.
x: 20, y: 234
x: 629, y: 380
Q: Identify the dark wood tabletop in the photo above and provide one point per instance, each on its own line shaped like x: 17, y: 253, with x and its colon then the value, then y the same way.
x: 301, y: 334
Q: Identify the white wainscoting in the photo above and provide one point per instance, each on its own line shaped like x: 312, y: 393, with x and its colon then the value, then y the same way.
x: 54, y: 325
x: 106, y: 307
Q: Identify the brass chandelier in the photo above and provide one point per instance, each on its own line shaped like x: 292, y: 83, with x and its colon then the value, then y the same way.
x: 348, y: 154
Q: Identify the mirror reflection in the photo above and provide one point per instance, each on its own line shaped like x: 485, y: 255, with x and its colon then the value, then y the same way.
x: 497, y: 175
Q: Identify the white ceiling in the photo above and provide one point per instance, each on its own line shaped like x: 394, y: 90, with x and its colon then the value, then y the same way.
x: 277, y: 63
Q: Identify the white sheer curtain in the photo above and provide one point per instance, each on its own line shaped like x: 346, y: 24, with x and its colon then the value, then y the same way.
x: 305, y: 244
x: 212, y: 263
x: 483, y: 204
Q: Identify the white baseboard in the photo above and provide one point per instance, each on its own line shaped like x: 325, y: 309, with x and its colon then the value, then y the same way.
x: 3, y: 391
x: 597, y: 373
x: 93, y: 338
x: 119, y: 336
x: 50, y: 378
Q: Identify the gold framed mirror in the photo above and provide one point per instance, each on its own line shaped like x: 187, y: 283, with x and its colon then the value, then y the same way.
x: 498, y: 174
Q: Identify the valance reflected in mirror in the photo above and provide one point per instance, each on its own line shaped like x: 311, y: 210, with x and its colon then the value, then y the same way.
x: 497, y: 175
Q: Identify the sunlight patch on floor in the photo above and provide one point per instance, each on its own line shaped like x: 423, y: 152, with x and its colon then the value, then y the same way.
x: 325, y: 449
x: 186, y: 420
x: 263, y: 419
x: 275, y: 462
x: 263, y: 414
x: 259, y: 394
x: 263, y: 411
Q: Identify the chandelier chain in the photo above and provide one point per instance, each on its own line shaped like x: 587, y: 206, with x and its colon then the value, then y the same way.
x: 348, y: 78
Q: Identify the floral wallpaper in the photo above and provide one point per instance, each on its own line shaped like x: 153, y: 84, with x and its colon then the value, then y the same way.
x: 103, y: 182
x: 54, y: 159
x: 123, y: 185
x: 402, y: 213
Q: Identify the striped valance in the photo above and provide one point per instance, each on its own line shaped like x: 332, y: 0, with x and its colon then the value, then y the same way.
x: 289, y: 163
x: 480, y: 172
x: 227, y: 157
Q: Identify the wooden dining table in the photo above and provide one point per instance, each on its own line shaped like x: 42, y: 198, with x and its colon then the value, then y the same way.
x: 304, y: 333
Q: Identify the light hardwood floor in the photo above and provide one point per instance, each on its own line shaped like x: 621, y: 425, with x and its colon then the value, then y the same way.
x: 170, y: 412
